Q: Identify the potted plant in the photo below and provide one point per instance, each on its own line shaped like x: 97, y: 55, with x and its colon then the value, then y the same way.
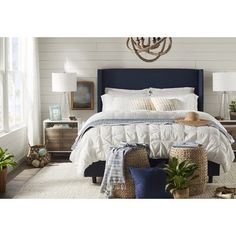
x: 6, y: 159
x: 232, y: 109
x: 179, y: 174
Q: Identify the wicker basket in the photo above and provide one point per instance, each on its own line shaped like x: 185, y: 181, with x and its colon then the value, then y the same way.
x: 197, y: 155
x: 134, y: 158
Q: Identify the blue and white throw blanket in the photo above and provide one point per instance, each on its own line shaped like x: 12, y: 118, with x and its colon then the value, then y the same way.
x: 114, y: 170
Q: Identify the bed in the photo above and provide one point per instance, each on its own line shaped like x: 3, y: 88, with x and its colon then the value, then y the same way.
x: 137, y: 79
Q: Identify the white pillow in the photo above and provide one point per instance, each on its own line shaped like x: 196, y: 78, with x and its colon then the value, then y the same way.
x: 125, y: 92
x: 171, y: 91
x: 125, y: 103
x: 164, y: 104
x: 187, y: 102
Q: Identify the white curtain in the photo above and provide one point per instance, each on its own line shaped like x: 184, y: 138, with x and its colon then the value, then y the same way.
x: 32, y: 91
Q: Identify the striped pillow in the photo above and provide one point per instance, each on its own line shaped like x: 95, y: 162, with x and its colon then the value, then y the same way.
x: 163, y: 103
x: 141, y: 104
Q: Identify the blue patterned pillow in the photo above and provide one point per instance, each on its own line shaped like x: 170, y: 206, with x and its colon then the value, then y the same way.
x: 149, y: 182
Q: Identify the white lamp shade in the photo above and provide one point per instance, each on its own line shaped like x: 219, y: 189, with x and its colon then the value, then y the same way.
x: 64, y: 82
x: 224, y: 81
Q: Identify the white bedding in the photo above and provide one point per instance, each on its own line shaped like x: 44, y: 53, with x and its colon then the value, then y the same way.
x: 95, y: 143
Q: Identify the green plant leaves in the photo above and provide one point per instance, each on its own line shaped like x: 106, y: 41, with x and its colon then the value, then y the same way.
x: 6, y: 159
x: 232, y: 106
x: 179, y: 173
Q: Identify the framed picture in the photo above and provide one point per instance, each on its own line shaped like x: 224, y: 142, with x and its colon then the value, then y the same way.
x: 83, y: 98
x: 55, y: 112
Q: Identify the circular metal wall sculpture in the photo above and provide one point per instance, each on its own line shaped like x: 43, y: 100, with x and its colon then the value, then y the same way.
x: 144, y: 47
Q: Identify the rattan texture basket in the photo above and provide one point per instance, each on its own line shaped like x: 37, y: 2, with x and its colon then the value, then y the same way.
x: 197, y: 155
x: 134, y: 158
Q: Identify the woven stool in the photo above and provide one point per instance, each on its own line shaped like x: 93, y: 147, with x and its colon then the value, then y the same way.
x: 134, y: 158
x: 196, y: 155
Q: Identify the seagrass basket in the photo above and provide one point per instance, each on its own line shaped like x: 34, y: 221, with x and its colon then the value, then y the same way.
x: 134, y: 158
x: 196, y: 155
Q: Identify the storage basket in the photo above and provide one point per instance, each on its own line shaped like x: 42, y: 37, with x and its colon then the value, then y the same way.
x: 38, y: 156
x: 196, y: 155
x: 134, y: 158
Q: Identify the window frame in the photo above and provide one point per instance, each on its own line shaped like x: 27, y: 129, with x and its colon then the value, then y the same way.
x: 5, y: 102
x: 1, y: 100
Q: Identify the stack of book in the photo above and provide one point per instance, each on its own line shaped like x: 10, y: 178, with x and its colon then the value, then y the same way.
x: 187, y: 145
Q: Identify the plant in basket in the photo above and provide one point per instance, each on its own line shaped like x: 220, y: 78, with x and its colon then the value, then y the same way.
x: 179, y: 174
x: 232, y: 109
x: 6, y: 159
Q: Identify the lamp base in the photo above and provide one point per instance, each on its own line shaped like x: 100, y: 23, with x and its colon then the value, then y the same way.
x: 65, y: 106
x: 224, y: 106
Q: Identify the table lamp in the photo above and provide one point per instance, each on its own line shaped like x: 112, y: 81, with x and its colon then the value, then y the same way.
x: 224, y: 82
x: 64, y: 83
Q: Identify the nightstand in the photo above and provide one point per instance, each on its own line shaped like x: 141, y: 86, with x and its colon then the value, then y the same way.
x: 59, y: 136
x: 230, y: 126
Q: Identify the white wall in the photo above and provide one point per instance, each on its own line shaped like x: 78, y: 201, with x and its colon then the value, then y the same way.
x: 16, y: 142
x: 86, y: 55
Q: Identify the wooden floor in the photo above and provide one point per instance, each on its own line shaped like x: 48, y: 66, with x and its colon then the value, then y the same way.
x: 19, y: 176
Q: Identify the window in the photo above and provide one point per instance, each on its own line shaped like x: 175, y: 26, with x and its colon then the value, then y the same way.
x: 1, y: 83
x: 14, y: 77
x: 11, y: 83
x: 1, y: 102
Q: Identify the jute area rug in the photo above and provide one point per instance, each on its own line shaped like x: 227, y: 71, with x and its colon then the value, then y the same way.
x: 59, y: 181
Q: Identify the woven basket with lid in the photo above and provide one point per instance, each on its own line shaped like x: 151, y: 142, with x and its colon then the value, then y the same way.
x: 196, y: 155
x: 134, y: 158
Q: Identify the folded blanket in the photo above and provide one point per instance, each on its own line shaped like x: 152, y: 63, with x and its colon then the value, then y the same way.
x: 114, y: 170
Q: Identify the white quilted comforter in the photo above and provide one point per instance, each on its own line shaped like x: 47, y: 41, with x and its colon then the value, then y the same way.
x: 95, y: 142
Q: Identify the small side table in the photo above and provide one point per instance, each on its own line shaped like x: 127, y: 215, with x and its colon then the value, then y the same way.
x: 196, y: 155
x: 230, y: 126
x: 60, y: 135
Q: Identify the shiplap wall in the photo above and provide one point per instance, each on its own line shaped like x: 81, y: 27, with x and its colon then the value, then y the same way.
x: 85, y: 55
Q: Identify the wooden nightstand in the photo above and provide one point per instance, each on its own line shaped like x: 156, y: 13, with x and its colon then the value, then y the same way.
x: 59, y: 136
x: 230, y: 126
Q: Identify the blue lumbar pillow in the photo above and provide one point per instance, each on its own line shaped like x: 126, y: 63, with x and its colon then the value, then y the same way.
x: 149, y: 182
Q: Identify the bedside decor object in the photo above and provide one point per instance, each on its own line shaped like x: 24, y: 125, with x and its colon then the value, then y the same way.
x: 149, y: 49
x: 192, y: 119
x: 72, y: 118
x: 83, y: 98
x: 225, y: 192
x: 224, y: 82
x: 64, y: 83
x: 6, y: 159
x: 55, y: 112
x: 198, y: 156
x: 232, y: 109
x: 179, y: 174
x: 38, y: 156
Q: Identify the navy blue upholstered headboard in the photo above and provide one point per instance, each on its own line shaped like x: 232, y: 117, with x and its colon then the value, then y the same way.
x: 138, y: 78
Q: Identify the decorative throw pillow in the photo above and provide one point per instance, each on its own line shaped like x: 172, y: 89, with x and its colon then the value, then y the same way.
x: 149, y: 182
x: 125, y: 103
x: 141, y: 104
x: 163, y: 104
